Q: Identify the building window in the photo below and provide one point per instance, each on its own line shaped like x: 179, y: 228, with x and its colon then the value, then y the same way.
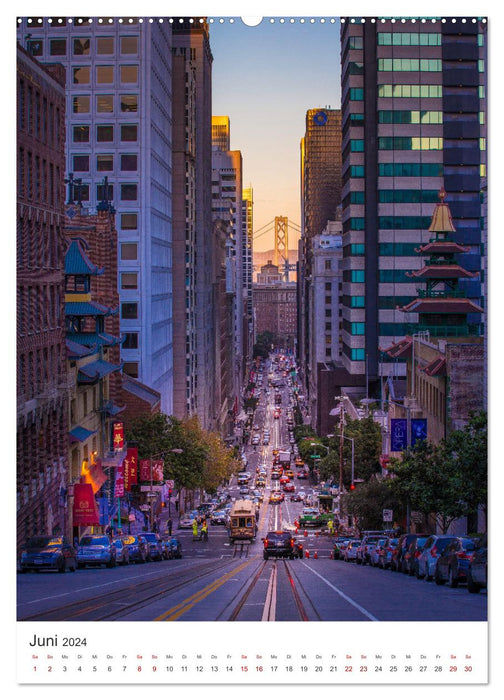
x: 358, y: 328
x: 327, y: 264
x: 35, y: 47
x: 129, y: 222
x: 410, y: 169
x: 357, y: 94
x: 357, y: 145
x: 105, y: 133
x: 82, y: 75
x: 129, y: 162
x: 129, y: 251
x: 129, y: 192
x: 81, y: 47
x: 81, y: 164
x: 130, y: 341
x: 408, y: 39
x: 129, y: 45
x: 355, y: 42
x: 129, y: 74
x: 104, y: 74
x: 129, y: 310
x: 81, y: 134
x: 129, y: 280
x: 129, y: 132
x: 129, y: 103
x: 105, y: 162
x: 104, y: 103
x: 105, y: 45
x: 101, y: 195
x: 408, y: 196
x: 357, y: 354
x: 429, y: 65
x: 397, y: 116
x: 131, y: 369
x: 357, y: 302
x: 410, y: 91
x: 57, y: 47
x: 81, y: 104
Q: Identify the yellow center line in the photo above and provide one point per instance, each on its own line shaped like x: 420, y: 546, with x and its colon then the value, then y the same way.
x: 179, y: 610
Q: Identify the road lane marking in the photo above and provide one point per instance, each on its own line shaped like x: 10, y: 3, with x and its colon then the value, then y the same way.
x: 343, y: 595
x: 269, y: 610
x: 186, y: 605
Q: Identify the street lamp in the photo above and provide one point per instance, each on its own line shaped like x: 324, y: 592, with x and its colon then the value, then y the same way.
x: 152, y: 496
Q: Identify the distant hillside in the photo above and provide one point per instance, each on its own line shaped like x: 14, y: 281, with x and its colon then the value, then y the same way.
x: 261, y: 257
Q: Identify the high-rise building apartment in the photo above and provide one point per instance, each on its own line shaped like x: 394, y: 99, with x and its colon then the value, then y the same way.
x: 320, y: 197
x: 413, y: 120
x: 42, y: 385
x: 191, y: 41
x: 227, y: 207
x: 248, y: 270
x: 118, y: 150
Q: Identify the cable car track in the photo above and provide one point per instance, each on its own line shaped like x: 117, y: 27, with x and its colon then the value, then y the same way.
x: 144, y: 593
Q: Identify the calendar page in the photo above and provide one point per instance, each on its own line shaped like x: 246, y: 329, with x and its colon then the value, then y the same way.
x: 252, y: 349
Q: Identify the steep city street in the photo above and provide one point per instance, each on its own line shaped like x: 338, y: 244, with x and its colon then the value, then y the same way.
x: 217, y: 580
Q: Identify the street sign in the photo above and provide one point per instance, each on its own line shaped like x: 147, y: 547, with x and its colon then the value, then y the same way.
x: 315, y: 456
x: 388, y: 516
x: 170, y: 483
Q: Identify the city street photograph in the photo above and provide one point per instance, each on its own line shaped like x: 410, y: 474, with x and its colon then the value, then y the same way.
x: 252, y: 334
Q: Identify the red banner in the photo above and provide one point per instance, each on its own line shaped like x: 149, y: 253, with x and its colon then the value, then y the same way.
x: 157, y: 470
x: 119, y: 482
x: 85, y: 510
x: 118, y: 436
x: 130, y: 468
x: 94, y: 476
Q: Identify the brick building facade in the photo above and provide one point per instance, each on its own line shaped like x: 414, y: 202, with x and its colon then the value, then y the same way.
x: 42, y: 403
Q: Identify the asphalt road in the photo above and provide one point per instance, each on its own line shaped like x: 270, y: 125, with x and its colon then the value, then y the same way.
x: 218, y: 581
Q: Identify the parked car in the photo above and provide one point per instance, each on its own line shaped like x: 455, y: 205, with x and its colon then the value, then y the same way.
x: 477, y: 571
x: 386, y: 551
x: 351, y: 550
x: 429, y: 555
x: 397, y: 563
x: 43, y: 552
x: 453, y: 564
x: 122, y: 551
x: 173, y: 548
x: 375, y: 551
x: 96, y: 550
x: 137, y: 547
x: 410, y: 560
x: 339, y: 545
x: 367, y: 545
x: 155, y: 548
x: 279, y: 544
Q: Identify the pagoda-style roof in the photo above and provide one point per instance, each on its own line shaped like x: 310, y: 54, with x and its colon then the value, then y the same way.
x: 442, y: 272
x: 441, y: 305
x: 87, y: 308
x: 442, y: 219
x: 94, y: 371
x: 77, y: 350
x: 95, y: 339
x: 77, y: 261
x: 400, y: 349
x: 436, y: 368
x: 442, y: 247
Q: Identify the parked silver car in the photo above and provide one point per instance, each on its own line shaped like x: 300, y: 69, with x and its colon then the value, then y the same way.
x: 96, y: 550
x: 427, y: 561
x: 122, y: 552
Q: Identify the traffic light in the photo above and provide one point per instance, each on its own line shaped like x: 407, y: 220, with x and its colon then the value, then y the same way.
x: 352, y: 487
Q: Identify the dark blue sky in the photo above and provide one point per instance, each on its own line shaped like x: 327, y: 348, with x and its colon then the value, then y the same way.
x: 265, y: 78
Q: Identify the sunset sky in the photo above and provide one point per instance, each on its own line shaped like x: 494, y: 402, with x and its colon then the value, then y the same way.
x: 265, y: 78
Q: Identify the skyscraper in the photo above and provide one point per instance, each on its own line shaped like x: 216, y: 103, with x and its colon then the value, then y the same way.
x: 191, y: 39
x: 320, y: 197
x: 227, y: 206
x: 118, y: 144
x: 413, y: 118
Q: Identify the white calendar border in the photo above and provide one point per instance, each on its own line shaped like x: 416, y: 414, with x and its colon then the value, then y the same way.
x: 263, y: 8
